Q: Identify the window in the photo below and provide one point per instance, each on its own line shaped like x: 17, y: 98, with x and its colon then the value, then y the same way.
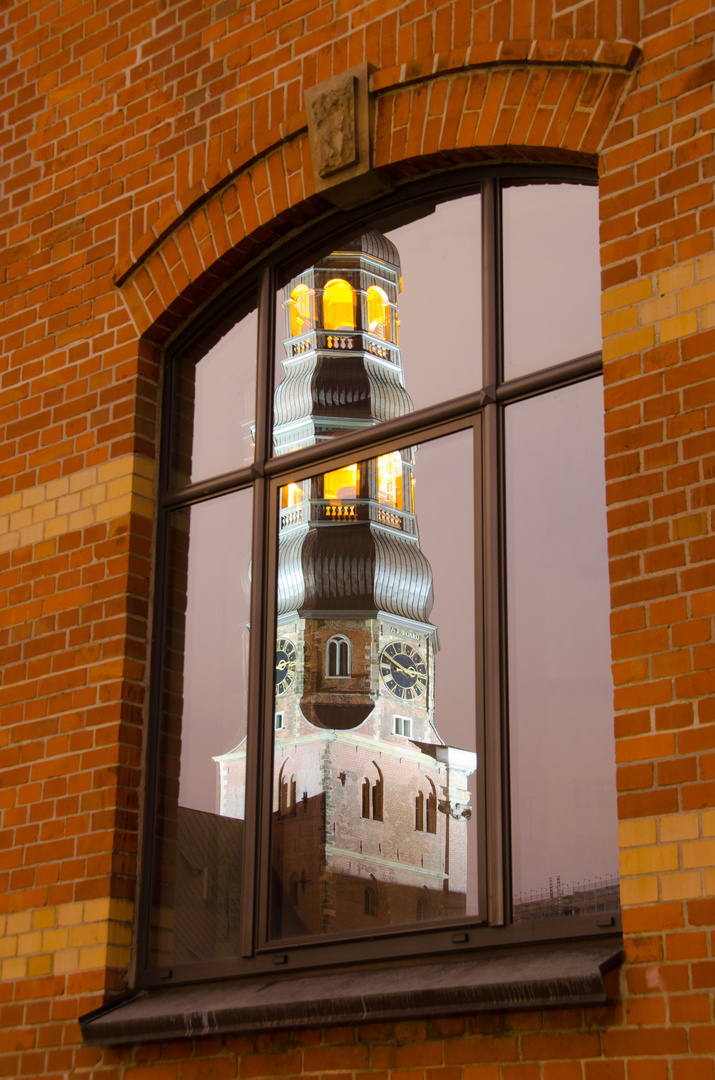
x: 382, y: 666
x: 338, y: 657
x: 338, y: 305
x: 372, y: 796
x: 300, y: 307
x: 431, y: 820
x: 419, y: 812
x: 378, y: 312
x: 426, y: 822
x: 403, y: 726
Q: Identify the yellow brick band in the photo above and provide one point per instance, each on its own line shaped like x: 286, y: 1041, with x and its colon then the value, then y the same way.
x: 65, y: 939
x: 95, y: 495
x: 679, y: 302
x: 667, y: 858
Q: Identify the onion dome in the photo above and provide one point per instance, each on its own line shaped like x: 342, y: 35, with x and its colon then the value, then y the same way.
x: 339, y: 386
x: 353, y: 568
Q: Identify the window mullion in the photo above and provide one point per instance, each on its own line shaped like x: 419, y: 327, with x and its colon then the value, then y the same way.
x: 258, y: 761
x: 260, y: 704
x: 496, y: 733
x: 265, y: 366
x: 491, y: 282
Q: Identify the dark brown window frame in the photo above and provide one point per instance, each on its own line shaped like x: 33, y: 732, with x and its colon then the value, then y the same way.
x: 482, y: 412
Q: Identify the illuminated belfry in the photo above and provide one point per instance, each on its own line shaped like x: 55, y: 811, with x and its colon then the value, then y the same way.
x: 349, y: 543
x: 369, y: 805
x: 343, y: 369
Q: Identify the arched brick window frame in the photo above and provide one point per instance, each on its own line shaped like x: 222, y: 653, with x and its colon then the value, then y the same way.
x: 227, y: 219
x: 518, y: 101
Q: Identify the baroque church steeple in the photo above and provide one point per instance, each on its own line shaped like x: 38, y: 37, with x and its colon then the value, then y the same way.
x: 370, y: 807
x: 349, y: 540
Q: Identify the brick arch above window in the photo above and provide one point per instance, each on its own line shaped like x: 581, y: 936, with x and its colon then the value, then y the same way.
x: 518, y: 101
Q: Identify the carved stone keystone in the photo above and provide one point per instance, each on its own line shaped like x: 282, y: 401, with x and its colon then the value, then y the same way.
x: 339, y: 130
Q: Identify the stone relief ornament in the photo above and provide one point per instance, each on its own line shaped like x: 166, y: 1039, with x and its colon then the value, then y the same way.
x: 333, y: 113
x: 338, y: 114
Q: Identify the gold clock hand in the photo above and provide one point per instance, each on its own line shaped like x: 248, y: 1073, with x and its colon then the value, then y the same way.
x: 281, y: 665
x: 408, y: 671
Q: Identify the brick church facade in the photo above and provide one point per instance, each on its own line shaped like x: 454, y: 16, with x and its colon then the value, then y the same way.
x: 152, y: 154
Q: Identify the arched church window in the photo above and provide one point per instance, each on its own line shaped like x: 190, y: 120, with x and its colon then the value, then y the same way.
x: 287, y: 788
x: 366, y: 800
x: 338, y: 656
x: 378, y: 797
x: 378, y: 312
x: 338, y: 305
x: 419, y: 812
x: 404, y: 513
x: 373, y: 795
x: 431, y: 818
x: 370, y: 900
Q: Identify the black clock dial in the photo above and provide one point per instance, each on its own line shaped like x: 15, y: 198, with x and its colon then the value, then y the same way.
x: 286, y: 664
x: 403, y: 670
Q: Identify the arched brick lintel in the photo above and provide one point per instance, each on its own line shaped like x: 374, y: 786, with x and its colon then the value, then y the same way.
x: 510, y: 101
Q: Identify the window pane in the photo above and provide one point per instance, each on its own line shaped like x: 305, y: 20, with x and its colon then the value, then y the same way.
x: 565, y: 852
x: 380, y: 326
x: 217, y: 396
x: 552, y: 283
x: 198, y: 898
x: 374, y: 815
x: 441, y: 302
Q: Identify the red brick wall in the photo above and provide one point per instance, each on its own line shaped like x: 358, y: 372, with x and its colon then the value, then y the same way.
x: 160, y: 145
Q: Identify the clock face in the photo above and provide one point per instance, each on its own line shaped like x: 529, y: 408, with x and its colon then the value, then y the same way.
x: 403, y: 670
x: 286, y: 664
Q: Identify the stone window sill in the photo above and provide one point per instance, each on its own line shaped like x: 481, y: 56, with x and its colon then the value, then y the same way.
x: 528, y: 977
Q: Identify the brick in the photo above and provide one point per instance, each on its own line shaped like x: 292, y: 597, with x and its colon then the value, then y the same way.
x: 159, y: 137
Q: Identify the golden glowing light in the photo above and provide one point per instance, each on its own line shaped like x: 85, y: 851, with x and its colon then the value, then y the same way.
x: 389, y: 479
x: 378, y: 312
x: 338, y: 305
x: 300, y: 315
x: 291, y: 495
x: 341, y: 484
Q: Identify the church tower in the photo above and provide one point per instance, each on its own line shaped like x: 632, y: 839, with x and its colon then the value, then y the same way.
x: 370, y: 806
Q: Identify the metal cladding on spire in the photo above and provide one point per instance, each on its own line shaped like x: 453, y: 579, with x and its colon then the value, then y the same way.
x: 356, y: 568
x: 403, y: 577
x: 377, y: 246
x: 357, y: 549
x: 339, y: 386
